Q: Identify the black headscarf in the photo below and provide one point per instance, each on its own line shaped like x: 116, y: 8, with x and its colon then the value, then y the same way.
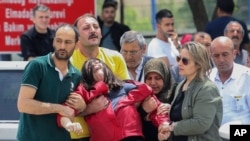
x: 159, y: 66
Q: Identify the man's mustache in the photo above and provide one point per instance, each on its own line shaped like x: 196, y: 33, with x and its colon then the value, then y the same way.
x: 235, y: 37
x: 93, y: 36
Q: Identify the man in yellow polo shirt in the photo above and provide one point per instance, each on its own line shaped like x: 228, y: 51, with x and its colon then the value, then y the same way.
x: 88, y: 47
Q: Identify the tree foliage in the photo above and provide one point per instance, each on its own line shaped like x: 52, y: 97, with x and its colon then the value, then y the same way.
x: 189, y: 15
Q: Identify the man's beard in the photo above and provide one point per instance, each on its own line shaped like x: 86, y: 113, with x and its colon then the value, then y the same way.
x: 63, y: 57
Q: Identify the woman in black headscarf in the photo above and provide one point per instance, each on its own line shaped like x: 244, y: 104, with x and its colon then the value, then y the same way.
x: 157, y: 75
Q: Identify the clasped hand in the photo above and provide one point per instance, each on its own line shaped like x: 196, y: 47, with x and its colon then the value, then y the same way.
x: 164, y: 131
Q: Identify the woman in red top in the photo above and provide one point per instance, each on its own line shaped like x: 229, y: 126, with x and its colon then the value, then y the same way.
x: 120, y: 121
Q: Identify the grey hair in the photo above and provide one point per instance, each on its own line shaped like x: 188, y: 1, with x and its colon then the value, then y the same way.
x: 131, y: 36
x: 234, y: 22
x: 40, y: 7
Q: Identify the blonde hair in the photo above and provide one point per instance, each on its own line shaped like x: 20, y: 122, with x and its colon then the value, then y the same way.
x: 201, y: 58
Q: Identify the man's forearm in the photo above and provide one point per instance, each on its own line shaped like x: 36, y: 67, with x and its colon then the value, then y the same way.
x: 85, y: 112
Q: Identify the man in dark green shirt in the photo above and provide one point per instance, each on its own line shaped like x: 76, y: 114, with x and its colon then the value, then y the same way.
x: 47, y: 82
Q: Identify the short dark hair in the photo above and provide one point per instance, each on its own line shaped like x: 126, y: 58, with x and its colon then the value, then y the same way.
x: 164, y: 13
x: 107, y: 4
x: 226, y: 5
x: 86, y: 15
x: 70, y: 26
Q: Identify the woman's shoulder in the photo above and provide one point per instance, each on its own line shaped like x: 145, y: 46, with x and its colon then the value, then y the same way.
x: 209, y: 83
x: 203, y: 85
x: 109, y: 52
x: 131, y: 84
x: 208, y: 86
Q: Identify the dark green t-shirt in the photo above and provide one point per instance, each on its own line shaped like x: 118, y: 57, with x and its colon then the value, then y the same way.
x: 41, y: 74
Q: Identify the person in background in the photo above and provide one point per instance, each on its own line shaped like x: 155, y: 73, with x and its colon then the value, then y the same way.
x: 88, y: 47
x: 38, y: 40
x: 200, y: 37
x: 224, y: 12
x: 193, y: 96
x: 165, y: 44
x: 175, y: 69
x: 248, y: 60
x: 47, y: 82
x: 133, y: 49
x: 111, y: 30
x: 232, y: 80
x: 158, y: 77
x: 186, y: 38
x: 235, y: 32
x: 205, y: 39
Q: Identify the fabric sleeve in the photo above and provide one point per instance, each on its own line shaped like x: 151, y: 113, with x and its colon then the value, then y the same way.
x: 58, y: 117
x: 206, y: 98
x: 142, y: 112
x: 32, y: 74
x: 157, y: 49
x: 100, y: 88
x: 26, y: 47
x: 121, y: 70
x: 158, y: 119
x: 137, y: 94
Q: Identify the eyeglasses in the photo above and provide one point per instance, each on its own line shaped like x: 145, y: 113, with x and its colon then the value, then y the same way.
x: 134, y: 52
x: 183, y: 59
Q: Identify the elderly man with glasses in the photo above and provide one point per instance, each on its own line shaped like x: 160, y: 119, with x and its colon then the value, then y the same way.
x: 133, y: 48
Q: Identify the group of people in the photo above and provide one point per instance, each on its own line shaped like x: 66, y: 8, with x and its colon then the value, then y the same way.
x: 75, y: 46
x: 82, y: 89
